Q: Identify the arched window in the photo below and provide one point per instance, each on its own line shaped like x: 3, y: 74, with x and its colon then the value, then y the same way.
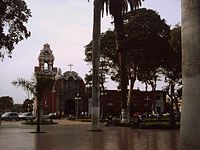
x: 46, y: 66
x: 46, y: 52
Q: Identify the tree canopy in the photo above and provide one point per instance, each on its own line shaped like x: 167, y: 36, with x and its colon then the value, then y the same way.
x: 6, y: 103
x: 13, y: 16
x: 147, y: 45
x: 172, y: 70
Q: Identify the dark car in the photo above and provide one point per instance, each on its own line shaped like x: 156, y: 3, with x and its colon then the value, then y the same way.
x: 10, y: 116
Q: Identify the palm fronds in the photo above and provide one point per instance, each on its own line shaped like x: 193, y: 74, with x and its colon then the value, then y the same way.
x: 28, y: 86
x: 111, y: 6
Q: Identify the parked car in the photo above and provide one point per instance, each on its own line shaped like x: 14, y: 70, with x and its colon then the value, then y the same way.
x: 10, y: 116
x: 51, y: 116
x: 27, y: 116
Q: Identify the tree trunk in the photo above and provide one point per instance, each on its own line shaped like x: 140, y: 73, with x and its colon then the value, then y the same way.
x: 176, y: 104
x: 130, y: 97
x: 190, y: 120
x: 172, y: 121
x: 146, y: 86
x: 38, y: 114
x: 153, y: 86
x: 39, y: 101
x: 102, y: 93
x: 130, y: 93
x: 121, y: 50
x: 95, y: 64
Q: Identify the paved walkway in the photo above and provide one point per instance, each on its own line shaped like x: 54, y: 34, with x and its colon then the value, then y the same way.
x: 72, y: 135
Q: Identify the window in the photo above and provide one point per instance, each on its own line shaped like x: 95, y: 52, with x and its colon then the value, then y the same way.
x: 46, y: 66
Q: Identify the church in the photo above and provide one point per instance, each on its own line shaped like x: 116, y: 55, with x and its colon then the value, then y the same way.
x: 66, y: 93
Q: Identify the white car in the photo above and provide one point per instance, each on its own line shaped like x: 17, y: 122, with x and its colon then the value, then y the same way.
x: 51, y: 116
x: 10, y: 116
x: 27, y: 116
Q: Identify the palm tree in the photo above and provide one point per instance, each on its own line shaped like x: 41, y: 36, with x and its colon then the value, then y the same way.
x: 95, y: 64
x: 28, y: 86
x: 117, y: 8
x: 190, y: 123
x: 35, y: 87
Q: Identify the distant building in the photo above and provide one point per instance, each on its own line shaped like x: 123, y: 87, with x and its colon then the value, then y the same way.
x: 142, y: 101
x: 66, y: 93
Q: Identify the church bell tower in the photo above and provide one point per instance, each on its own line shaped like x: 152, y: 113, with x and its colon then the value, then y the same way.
x: 47, y: 70
x: 46, y: 60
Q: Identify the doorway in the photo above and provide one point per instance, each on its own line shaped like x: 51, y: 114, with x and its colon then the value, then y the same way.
x: 69, y: 107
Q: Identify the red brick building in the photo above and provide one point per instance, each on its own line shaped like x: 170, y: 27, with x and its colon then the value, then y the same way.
x: 141, y: 101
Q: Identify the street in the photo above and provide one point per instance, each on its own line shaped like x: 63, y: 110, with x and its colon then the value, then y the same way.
x: 72, y: 135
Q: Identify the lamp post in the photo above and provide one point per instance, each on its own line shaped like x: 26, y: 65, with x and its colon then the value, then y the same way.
x: 147, y: 105
x: 77, y: 99
x: 45, y: 104
x: 28, y: 108
x: 102, y: 93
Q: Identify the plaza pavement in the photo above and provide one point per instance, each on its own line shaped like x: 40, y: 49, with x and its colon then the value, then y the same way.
x: 73, y: 135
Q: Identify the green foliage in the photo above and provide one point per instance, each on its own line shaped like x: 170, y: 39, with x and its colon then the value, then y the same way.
x: 174, y: 64
x: 17, y: 108
x: 158, y: 125
x: 173, y: 73
x: 147, y: 46
x: 148, y: 34
x: 13, y: 15
x: 117, y: 8
x: 112, y: 6
x: 42, y: 81
x: 108, y: 57
x: 88, y: 83
x: 172, y: 69
x: 106, y: 45
x: 147, y: 43
x: 6, y: 103
x: 28, y: 86
x: 27, y: 105
x: 88, y: 80
x: 108, y: 48
x: 35, y: 86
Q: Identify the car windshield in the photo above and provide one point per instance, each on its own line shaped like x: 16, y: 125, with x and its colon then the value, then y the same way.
x: 7, y: 113
x: 26, y: 114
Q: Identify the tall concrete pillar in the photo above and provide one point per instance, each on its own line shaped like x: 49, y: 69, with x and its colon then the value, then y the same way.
x: 95, y: 65
x: 190, y: 120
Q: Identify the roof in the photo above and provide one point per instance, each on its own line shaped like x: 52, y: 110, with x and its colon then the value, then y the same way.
x: 72, y: 74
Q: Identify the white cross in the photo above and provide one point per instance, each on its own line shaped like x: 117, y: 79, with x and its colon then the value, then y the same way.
x: 70, y: 67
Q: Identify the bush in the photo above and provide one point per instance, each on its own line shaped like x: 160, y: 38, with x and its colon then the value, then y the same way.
x: 157, y: 125
x: 44, y: 122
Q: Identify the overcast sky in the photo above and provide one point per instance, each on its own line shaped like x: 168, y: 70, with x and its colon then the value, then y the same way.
x: 67, y: 26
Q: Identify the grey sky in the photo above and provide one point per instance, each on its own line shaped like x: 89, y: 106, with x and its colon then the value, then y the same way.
x: 67, y: 26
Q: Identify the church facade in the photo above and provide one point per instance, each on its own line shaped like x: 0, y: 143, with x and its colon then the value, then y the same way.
x: 66, y: 92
